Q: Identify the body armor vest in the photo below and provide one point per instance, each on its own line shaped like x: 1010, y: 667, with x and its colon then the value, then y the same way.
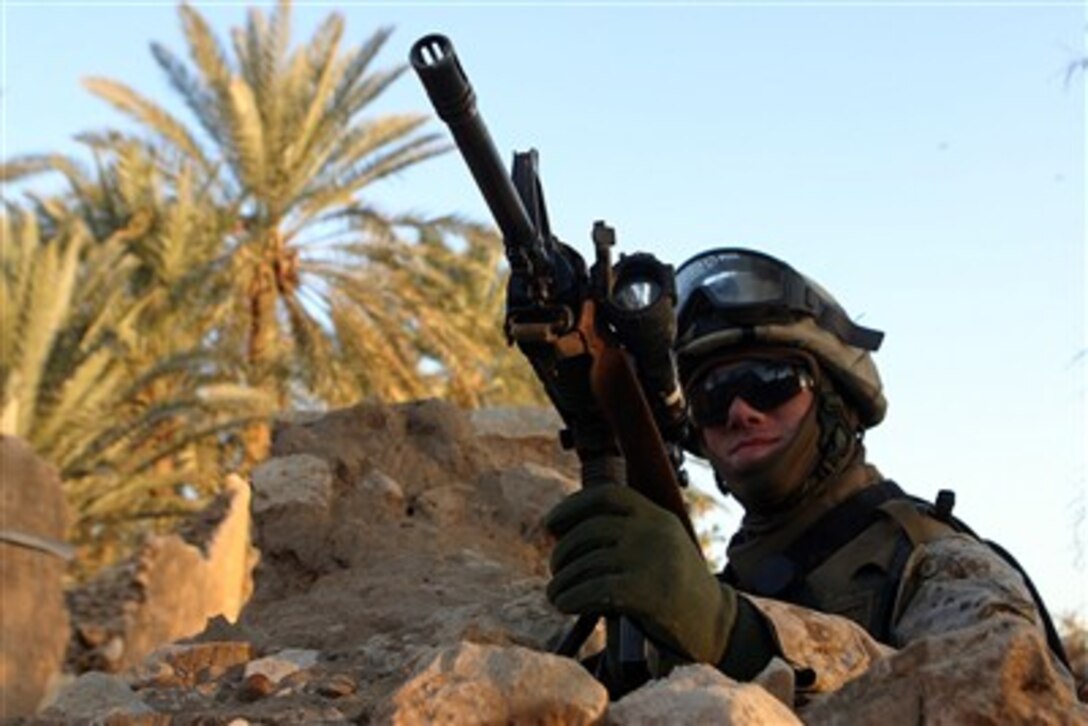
x: 850, y: 561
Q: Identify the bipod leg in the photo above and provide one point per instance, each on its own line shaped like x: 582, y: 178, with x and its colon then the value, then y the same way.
x: 578, y: 634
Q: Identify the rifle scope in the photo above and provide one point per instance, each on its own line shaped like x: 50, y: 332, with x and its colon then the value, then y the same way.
x: 436, y: 64
x: 641, y: 311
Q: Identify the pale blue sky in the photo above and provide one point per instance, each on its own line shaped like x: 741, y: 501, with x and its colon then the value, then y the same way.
x: 923, y: 161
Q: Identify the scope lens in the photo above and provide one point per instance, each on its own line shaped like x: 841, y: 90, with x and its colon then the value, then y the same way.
x: 637, y: 294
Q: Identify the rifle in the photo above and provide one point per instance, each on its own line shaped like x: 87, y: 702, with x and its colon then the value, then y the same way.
x: 601, y: 339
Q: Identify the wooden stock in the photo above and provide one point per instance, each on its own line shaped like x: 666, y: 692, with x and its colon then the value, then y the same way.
x: 649, y: 471
x: 620, y: 397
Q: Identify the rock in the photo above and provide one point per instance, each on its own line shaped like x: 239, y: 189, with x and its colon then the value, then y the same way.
x: 382, y: 655
x: 699, y: 694
x: 420, y: 444
x: 834, y: 649
x: 211, y: 673
x: 34, y: 626
x: 113, y: 649
x: 301, y: 481
x: 92, y: 635
x: 369, y: 610
x: 221, y: 630
x: 216, y: 569
x: 527, y: 620
x: 184, y: 663
x: 256, y: 687
x: 778, y: 679
x: 279, y: 666
x: 926, y: 682
x: 97, y: 696
x: 469, y: 683
x: 516, y: 422
x: 292, y: 500
x: 337, y: 686
x: 444, y: 505
x: 217, y: 582
x: 384, y: 489
x: 153, y: 674
x: 526, y: 493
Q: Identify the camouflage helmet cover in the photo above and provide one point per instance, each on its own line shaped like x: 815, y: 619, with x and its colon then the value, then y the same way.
x: 733, y: 298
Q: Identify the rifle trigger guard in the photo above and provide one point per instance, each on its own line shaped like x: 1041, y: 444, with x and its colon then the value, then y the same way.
x: 540, y: 325
x: 568, y: 345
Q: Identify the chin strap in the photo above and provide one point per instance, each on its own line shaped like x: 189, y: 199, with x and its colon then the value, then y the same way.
x: 840, y: 436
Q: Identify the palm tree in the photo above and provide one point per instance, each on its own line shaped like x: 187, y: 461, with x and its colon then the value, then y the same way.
x: 450, y: 303
x: 138, y: 306
x: 286, y: 151
x: 77, y: 383
x: 105, y: 366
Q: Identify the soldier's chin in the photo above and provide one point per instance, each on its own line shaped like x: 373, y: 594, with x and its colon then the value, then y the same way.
x: 751, y: 457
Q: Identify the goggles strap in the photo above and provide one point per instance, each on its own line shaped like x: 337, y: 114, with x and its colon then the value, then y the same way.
x: 846, y: 330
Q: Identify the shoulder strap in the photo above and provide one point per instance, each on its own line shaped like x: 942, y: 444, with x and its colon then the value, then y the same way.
x: 840, y: 525
x: 918, y: 527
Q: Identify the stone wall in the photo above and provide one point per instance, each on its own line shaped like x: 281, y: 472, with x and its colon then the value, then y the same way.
x: 169, y: 590
x: 33, y: 619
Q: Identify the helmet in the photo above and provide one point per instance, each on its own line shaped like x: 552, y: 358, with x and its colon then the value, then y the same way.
x: 739, y: 298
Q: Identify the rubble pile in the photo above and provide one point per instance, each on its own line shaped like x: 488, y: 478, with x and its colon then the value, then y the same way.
x: 400, y: 581
x: 136, y: 606
x: 387, y: 534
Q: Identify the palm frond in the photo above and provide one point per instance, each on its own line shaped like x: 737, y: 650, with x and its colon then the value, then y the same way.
x: 192, y: 435
x: 247, y: 135
x: 375, y: 168
x: 323, y: 60
x: 356, y: 66
x: 205, y: 50
x: 148, y: 113
x: 193, y: 91
x: 370, y: 88
x: 21, y: 167
x: 44, y: 304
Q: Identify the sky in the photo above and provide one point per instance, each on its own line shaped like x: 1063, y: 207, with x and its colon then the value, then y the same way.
x: 924, y: 161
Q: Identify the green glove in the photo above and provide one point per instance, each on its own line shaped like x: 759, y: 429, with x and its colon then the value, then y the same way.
x: 620, y: 554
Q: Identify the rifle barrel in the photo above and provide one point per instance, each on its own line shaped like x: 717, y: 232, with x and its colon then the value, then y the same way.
x: 451, y: 94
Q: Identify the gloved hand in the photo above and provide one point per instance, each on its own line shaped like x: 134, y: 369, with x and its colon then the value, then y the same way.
x: 620, y: 554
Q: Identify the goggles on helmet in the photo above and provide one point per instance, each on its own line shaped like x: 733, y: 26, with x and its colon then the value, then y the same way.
x: 742, y: 287
x: 764, y: 385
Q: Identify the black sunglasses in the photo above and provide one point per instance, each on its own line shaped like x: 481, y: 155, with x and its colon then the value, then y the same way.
x: 764, y: 385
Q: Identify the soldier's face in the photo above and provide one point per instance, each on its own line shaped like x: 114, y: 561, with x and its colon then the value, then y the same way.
x: 749, y: 438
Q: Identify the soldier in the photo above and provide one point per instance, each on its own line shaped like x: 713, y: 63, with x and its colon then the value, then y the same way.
x: 782, y: 387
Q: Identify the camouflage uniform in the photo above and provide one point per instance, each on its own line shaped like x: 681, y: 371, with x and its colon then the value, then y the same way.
x: 967, y: 626
x: 903, y: 595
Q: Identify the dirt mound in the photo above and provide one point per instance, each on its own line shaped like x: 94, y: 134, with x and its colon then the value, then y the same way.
x: 401, y: 581
x: 384, y: 532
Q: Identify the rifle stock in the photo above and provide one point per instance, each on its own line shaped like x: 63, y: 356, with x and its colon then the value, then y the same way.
x: 623, y: 402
